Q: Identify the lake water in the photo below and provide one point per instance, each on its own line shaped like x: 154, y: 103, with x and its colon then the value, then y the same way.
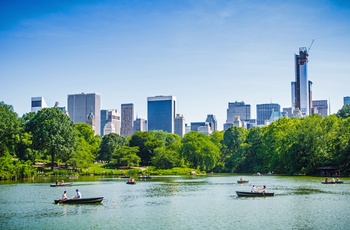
x: 178, y: 202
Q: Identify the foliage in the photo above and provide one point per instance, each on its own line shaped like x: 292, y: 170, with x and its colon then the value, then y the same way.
x: 147, y: 143
x: 110, y: 143
x: 14, y: 169
x: 53, y: 133
x: 199, y: 151
x: 126, y: 156
x: 9, y: 129
x: 344, y: 112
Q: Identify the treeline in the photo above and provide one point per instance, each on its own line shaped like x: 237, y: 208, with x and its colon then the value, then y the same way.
x: 288, y: 145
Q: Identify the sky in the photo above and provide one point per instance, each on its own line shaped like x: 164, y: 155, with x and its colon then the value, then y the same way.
x: 206, y: 53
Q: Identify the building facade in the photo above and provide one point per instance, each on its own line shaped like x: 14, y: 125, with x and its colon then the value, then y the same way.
x: 213, y: 123
x: 111, y: 118
x: 237, y: 109
x: 37, y: 103
x: 347, y: 100
x: 301, y: 88
x: 161, y: 113
x: 179, y: 125
x: 264, y: 111
x: 84, y: 107
x: 127, y: 119
x: 140, y: 124
x: 320, y: 107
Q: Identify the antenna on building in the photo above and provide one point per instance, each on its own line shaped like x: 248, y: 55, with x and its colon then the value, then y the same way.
x: 308, y: 50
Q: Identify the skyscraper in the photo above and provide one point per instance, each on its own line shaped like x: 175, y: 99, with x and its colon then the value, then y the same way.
x: 140, y: 124
x: 320, y: 107
x: 301, y: 88
x: 237, y: 109
x: 127, y: 119
x: 85, y: 108
x: 211, y: 119
x: 346, y: 100
x: 264, y: 111
x: 180, y: 128
x: 111, y: 118
x: 37, y: 104
x: 161, y: 113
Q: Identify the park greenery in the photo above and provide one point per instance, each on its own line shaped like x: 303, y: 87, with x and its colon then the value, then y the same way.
x: 287, y: 146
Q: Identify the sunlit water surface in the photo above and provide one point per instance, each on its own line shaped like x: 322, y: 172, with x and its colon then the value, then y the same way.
x: 174, y: 202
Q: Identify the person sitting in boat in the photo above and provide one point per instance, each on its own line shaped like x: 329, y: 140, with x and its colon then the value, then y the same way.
x: 326, y: 180
x: 337, y: 180
x: 241, y: 179
x: 264, y: 189
x: 333, y: 180
x: 62, y: 181
x: 254, y: 189
x: 78, y: 194
x: 56, y: 182
x: 64, y: 196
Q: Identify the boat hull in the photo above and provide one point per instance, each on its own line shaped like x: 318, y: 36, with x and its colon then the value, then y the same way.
x: 61, y: 185
x: 91, y: 200
x: 335, y: 182
x: 254, y: 194
x: 243, y: 181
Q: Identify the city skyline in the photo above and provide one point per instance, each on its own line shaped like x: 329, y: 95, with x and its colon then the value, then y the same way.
x: 206, y: 53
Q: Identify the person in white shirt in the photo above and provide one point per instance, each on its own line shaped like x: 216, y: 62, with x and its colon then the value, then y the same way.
x: 78, y: 194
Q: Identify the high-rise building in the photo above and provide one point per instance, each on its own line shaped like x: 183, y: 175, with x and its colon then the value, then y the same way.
x: 37, y: 104
x: 140, y: 124
x: 85, y: 108
x: 211, y: 119
x: 111, y: 118
x: 179, y: 125
x: 346, y: 100
x: 320, y: 107
x: 237, y: 109
x: 264, y: 111
x: 195, y: 125
x: 161, y: 113
x: 127, y: 119
x: 288, y: 112
x: 301, y: 88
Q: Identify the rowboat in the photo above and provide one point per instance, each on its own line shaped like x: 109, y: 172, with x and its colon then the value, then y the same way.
x: 131, y: 182
x: 91, y: 200
x: 61, y: 185
x: 255, y: 194
x: 333, y: 182
x: 243, y: 181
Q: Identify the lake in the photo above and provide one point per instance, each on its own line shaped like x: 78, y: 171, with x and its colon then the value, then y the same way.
x: 178, y: 202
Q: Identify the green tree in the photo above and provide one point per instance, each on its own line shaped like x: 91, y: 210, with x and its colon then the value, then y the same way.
x: 147, y: 143
x: 9, y: 129
x: 199, y: 151
x: 233, y: 141
x: 53, y: 133
x: 86, y: 147
x: 344, y: 112
x: 110, y: 143
x: 126, y: 156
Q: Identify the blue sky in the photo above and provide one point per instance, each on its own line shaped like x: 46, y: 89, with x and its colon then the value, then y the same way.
x: 205, y: 52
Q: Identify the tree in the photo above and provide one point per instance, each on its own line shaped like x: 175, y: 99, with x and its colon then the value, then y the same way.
x: 126, y: 156
x: 199, y: 151
x: 344, y: 112
x: 53, y: 133
x: 110, y: 143
x: 86, y: 146
x: 9, y: 129
x: 147, y: 143
x: 234, y: 138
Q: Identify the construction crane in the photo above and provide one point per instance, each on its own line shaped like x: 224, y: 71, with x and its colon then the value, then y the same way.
x: 308, y: 50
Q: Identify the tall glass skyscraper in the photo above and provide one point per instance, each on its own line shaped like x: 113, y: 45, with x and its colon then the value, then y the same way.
x: 346, y: 100
x: 301, y: 88
x: 127, y: 119
x: 161, y: 113
x: 83, y: 107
